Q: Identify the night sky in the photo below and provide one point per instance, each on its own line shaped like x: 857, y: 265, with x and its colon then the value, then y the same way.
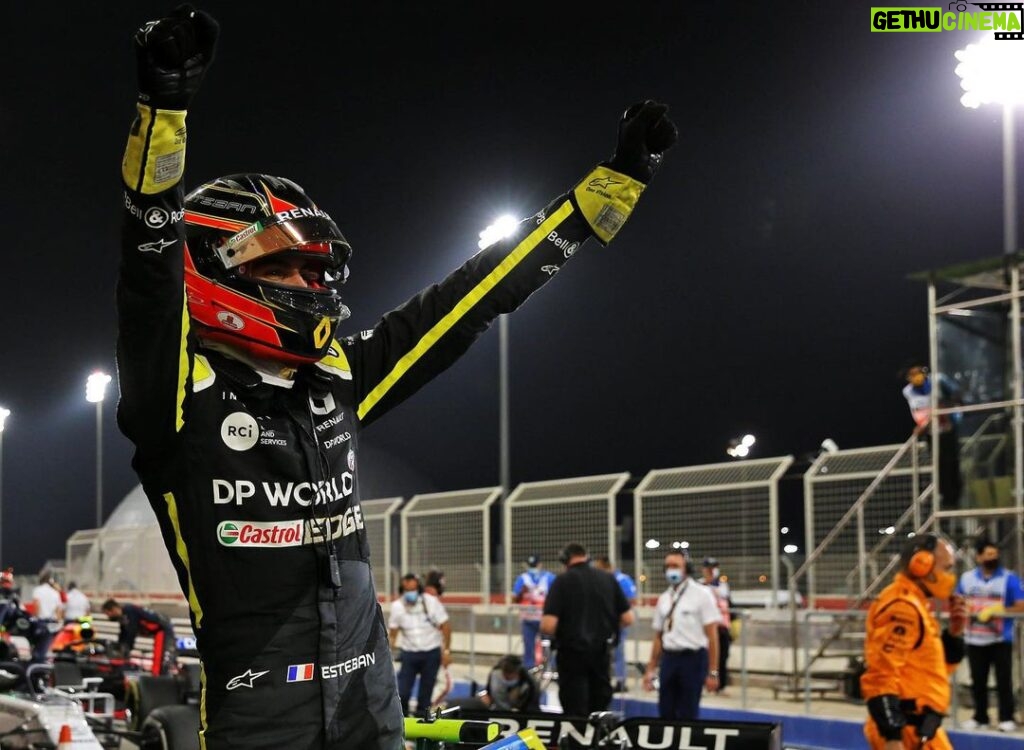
x: 759, y: 287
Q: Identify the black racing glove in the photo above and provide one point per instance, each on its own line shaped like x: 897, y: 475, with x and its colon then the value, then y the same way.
x: 888, y: 716
x: 929, y: 726
x: 645, y: 134
x: 172, y: 55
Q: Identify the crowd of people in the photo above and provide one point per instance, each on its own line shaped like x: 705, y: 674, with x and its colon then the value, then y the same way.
x: 575, y: 621
x: 54, y: 617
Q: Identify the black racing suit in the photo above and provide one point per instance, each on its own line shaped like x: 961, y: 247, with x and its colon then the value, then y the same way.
x: 255, y: 484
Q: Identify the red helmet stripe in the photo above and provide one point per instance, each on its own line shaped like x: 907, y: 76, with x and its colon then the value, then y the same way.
x: 316, y: 247
x: 212, y: 221
x: 277, y: 205
x: 217, y: 297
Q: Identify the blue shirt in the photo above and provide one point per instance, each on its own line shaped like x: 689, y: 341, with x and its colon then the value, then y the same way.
x: 534, y: 588
x: 1002, y: 587
x: 626, y: 584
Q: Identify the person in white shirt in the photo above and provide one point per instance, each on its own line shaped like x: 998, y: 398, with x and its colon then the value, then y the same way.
x: 77, y: 604
x: 48, y: 610
x: 685, y: 643
x: 419, y: 627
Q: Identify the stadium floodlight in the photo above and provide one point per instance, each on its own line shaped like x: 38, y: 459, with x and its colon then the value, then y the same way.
x: 499, y: 229
x: 739, y: 447
x: 95, y: 391
x: 990, y: 73
x: 789, y: 549
x: 652, y: 544
x: 784, y: 529
x: 96, y: 387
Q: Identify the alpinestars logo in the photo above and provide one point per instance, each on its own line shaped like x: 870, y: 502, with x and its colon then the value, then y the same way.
x: 245, y: 679
x: 604, y: 182
x: 156, y: 246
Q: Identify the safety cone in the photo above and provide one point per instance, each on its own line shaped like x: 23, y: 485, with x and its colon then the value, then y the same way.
x: 64, y: 741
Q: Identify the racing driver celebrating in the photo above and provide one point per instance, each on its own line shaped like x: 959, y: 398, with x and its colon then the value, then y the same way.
x: 245, y: 406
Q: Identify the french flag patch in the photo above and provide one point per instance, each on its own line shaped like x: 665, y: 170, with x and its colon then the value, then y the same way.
x: 300, y: 673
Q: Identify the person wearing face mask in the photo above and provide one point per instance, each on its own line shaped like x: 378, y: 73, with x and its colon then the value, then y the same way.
x: 419, y: 627
x: 918, y: 393
x: 529, y: 591
x: 685, y: 643
x: 908, y: 657
x: 509, y: 687
x: 991, y: 591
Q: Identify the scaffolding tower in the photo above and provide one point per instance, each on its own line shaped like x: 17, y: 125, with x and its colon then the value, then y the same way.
x: 974, y: 323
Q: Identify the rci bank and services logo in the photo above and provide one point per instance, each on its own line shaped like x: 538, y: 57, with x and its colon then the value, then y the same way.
x: 1004, y: 19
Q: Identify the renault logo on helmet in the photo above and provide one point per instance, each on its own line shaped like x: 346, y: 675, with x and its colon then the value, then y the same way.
x: 322, y: 333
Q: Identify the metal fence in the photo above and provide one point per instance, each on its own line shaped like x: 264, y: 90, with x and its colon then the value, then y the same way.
x: 451, y: 531
x: 728, y: 510
x: 542, y: 517
x: 862, y: 549
x: 377, y: 520
x: 125, y: 558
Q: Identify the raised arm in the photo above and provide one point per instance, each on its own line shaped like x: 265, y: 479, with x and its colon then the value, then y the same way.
x: 154, y: 364
x: 413, y: 343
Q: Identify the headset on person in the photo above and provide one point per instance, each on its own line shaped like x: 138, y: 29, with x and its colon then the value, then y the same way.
x: 571, y: 550
x: 919, y: 557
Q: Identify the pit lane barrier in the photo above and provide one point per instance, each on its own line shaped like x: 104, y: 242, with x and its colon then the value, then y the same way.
x: 718, y: 729
x: 805, y: 731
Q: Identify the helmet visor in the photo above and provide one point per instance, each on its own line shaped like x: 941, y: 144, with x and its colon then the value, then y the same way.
x: 261, y: 239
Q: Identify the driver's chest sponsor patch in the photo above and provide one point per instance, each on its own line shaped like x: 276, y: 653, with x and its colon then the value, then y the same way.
x: 289, y: 533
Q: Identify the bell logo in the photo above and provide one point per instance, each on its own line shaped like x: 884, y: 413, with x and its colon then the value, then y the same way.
x: 239, y: 431
x: 322, y: 333
x: 228, y: 533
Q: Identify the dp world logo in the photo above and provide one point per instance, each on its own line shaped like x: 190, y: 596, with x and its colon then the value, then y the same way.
x: 228, y: 532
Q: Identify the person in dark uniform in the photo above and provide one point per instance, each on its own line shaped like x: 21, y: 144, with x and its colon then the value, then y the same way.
x: 246, y: 404
x: 584, y: 611
x: 135, y: 620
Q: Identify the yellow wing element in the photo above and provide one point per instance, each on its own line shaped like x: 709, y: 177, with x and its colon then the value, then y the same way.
x: 524, y: 739
x: 606, y: 199
x: 203, y: 375
x: 336, y: 363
